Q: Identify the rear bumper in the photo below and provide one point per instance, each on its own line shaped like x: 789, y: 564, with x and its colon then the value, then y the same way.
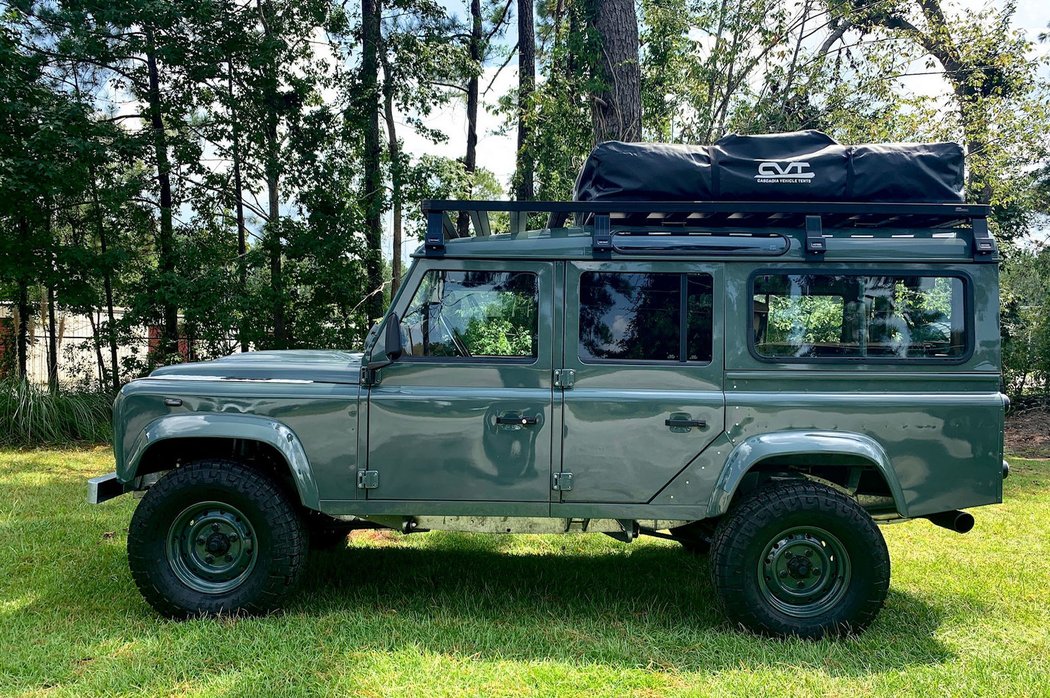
x: 104, y: 488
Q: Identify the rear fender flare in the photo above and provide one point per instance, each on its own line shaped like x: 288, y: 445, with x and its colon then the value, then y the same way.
x: 755, y: 449
x: 228, y: 426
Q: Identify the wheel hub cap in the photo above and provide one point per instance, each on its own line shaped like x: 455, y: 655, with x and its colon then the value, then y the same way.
x: 804, y: 571
x: 211, y: 547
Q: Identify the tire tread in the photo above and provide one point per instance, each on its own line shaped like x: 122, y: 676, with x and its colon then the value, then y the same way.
x: 738, y: 530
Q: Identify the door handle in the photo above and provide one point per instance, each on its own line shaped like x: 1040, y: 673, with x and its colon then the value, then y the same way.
x: 685, y: 423
x: 515, y: 419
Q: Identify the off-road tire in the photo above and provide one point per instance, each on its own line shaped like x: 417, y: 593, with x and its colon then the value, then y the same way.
x: 280, y: 539
x: 696, y: 537
x: 744, y: 566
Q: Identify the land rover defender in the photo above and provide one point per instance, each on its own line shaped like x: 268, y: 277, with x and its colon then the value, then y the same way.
x: 761, y: 366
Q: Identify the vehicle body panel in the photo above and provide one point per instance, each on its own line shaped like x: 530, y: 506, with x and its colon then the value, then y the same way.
x: 432, y: 421
x: 616, y: 441
x: 939, y: 423
x: 933, y: 429
x: 313, y: 424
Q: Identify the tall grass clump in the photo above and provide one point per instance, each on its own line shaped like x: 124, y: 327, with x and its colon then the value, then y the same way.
x: 32, y: 416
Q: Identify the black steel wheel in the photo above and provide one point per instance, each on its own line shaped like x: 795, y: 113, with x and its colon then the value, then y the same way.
x: 696, y: 537
x: 797, y: 558
x: 214, y: 537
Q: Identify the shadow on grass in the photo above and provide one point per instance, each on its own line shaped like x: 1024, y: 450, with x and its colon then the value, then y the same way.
x: 575, y: 600
x: 619, y: 607
x: 622, y: 607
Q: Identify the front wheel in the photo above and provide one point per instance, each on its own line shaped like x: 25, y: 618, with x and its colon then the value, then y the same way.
x: 215, y: 537
x: 801, y: 559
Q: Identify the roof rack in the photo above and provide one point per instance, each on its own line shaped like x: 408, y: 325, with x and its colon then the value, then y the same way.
x: 813, y: 217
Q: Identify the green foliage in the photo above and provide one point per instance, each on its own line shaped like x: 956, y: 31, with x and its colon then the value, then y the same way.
x: 1025, y: 320
x: 31, y: 416
x: 498, y: 336
x: 275, y: 87
x: 805, y: 319
x: 503, y: 327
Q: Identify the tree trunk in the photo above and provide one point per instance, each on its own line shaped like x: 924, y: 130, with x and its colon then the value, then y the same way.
x: 394, y: 152
x: 107, y: 286
x: 470, y: 162
x: 112, y: 379
x: 616, y: 107
x: 272, y: 175
x: 238, y: 205
x: 166, y: 255
x: 975, y: 139
x: 52, y: 340
x: 526, y: 165
x: 22, y: 336
x: 371, y: 11
x: 96, y: 341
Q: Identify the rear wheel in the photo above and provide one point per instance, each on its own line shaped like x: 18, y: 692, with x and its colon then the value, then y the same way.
x: 215, y: 537
x: 800, y: 559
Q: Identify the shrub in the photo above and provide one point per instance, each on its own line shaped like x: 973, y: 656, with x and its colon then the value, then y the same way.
x: 31, y: 416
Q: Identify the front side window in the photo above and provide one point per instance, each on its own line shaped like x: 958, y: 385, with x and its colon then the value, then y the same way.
x: 639, y: 317
x: 812, y: 316
x: 473, y: 314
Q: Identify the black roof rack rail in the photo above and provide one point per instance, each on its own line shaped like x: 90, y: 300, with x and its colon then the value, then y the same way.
x: 813, y: 217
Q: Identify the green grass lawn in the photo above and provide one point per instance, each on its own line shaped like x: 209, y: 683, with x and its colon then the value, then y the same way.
x: 442, y: 614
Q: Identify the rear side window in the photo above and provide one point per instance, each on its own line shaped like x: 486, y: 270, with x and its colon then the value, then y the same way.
x: 473, y: 314
x: 645, y: 317
x: 814, y: 316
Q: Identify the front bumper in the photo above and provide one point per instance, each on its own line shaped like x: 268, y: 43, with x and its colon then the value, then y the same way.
x: 104, y: 488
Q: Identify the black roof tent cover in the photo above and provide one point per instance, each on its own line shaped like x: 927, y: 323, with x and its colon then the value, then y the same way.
x: 800, y: 166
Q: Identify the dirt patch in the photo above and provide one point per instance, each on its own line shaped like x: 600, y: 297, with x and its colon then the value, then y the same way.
x: 1028, y: 433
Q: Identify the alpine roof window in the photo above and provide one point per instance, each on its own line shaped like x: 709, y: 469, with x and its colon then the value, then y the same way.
x: 846, y: 316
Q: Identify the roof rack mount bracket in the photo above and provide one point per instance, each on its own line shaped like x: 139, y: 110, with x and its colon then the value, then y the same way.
x: 434, y: 242
x: 984, y: 249
x: 815, y: 242
x: 601, y: 240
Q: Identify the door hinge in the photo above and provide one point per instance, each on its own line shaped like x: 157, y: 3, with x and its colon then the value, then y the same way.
x: 562, y: 482
x: 367, y: 479
x: 564, y: 378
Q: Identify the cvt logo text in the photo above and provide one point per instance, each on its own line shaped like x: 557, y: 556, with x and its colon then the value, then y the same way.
x: 794, y: 172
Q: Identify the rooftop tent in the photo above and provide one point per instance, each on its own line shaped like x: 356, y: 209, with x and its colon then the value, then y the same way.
x: 617, y: 171
x: 800, y: 166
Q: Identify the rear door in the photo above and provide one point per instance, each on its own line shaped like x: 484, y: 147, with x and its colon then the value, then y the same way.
x: 643, y: 341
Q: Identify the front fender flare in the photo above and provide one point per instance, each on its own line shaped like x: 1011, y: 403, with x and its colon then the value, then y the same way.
x: 227, y: 426
x: 799, y: 443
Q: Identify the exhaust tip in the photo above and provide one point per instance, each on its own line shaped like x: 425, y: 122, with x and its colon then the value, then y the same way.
x: 958, y: 521
x: 964, y: 522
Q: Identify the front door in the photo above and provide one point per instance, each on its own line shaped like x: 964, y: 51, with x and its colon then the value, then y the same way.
x: 465, y: 413
x: 647, y: 396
